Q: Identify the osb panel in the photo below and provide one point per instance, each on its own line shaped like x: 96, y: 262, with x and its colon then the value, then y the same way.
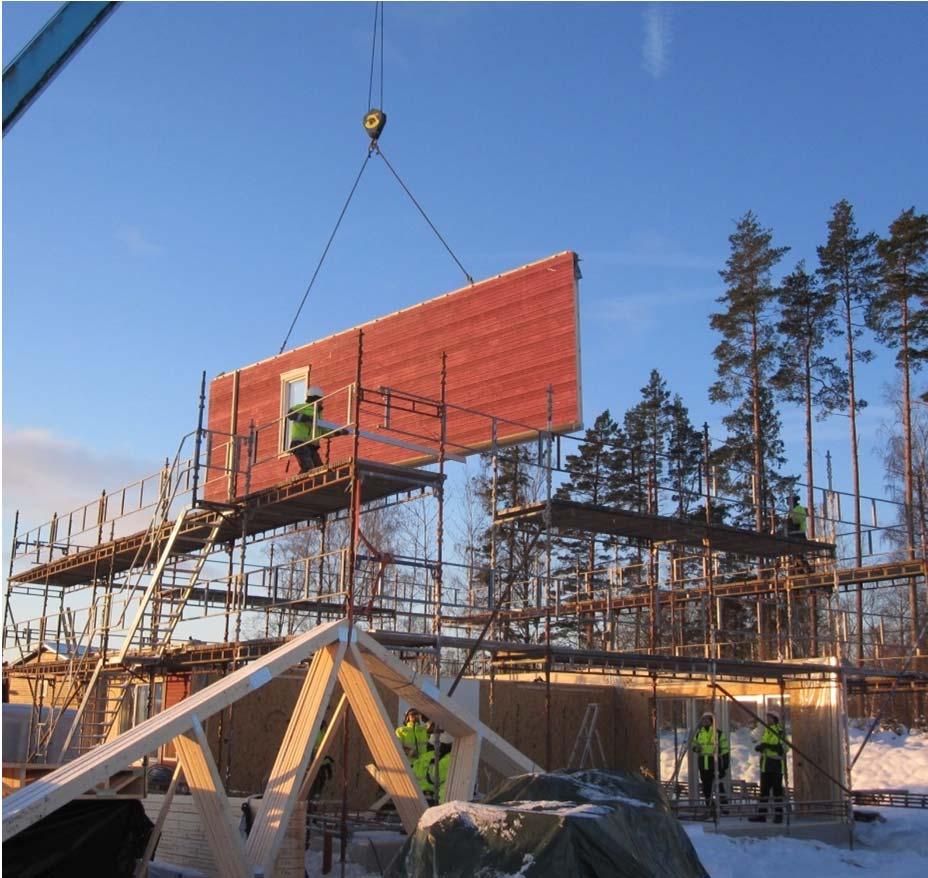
x: 516, y: 711
x: 506, y: 340
x: 252, y: 731
x: 815, y: 726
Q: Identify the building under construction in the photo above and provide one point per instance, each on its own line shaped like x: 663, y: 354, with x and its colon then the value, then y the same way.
x: 167, y: 623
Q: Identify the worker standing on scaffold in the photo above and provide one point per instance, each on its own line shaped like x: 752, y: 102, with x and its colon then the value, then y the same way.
x: 796, y: 520
x: 796, y: 530
x: 305, y: 431
x: 713, y: 750
x: 772, y: 749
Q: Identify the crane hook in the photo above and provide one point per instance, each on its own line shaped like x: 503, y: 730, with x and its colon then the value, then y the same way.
x: 374, y: 122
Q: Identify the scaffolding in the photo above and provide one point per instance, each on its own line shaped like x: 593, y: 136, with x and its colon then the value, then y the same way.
x: 113, y: 586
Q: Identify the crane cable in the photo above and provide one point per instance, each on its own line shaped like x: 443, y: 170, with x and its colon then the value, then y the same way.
x: 325, y: 252
x: 378, y: 7
x: 374, y: 121
x: 425, y: 216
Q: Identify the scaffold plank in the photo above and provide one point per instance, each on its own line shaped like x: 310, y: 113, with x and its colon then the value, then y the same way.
x: 569, y: 515
x: 311, y: 495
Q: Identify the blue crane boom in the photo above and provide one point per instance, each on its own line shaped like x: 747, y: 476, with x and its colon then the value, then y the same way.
x: 25, y: 77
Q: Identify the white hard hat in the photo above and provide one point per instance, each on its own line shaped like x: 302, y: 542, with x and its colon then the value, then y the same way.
x: 314, y: 391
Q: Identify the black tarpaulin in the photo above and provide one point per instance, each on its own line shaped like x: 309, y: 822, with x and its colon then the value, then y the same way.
x: 573, y: 825
x: 84, y: 837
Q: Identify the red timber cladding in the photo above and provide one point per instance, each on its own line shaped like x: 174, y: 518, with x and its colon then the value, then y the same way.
x: 176, y: 689
x: 506, y: 340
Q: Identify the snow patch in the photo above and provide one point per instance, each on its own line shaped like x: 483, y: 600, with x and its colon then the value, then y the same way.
x: 889, y: 761
x: 556, y: 809
x: 479, y: 817
x: 527, y: 861
x: 895, y: 849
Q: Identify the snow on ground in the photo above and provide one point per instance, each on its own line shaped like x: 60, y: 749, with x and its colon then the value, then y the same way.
x: 889, y: 761
x: 897, y: 848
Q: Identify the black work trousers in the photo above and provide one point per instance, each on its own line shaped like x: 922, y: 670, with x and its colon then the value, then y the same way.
x: 707, y: 779
x: 771, y: 783
x: 307, y: 455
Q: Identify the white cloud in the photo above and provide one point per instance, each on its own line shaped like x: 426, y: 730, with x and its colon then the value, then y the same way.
x: 45, y: 474
x: 652, y: 249
x: 640, y: 311
x: 655, y: 49
x: 135, y: 241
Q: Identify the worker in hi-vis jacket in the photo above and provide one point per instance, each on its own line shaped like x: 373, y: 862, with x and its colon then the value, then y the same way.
x: 305, y: 432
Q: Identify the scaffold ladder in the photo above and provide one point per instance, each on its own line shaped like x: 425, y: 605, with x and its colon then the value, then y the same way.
x: 588, y: 743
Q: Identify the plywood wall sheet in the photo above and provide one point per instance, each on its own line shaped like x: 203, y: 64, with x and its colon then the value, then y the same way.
x: 506, y: 340
x: 517, y: 712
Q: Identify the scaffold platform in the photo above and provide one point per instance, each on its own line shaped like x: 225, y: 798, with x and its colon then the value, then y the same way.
x: 569, y: 515
x: 310, y: 495
x: 754, y: 587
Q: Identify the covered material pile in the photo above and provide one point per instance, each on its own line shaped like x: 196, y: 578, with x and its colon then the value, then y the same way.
x: 574, y: 825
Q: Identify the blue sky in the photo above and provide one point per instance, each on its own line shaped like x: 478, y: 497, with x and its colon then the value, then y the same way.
x: 166, y: 199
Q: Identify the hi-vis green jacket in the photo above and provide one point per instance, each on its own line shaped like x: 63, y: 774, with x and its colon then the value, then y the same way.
x: 772, y: 747
x: 301, y: 421
x: 704, y: 744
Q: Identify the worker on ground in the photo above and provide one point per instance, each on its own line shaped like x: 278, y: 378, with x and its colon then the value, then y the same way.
x: 413, y: 735
x: 432, y: 784
x: 305, y: 431
x: 327, y: 769
x: 772, y: 749
x: 713, y: 750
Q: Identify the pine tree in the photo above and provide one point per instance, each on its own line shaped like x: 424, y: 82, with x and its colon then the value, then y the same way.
x: 806, y: 375
x: 745, y: 357
x: 518, y: 551
x: 593, y: 472
x: 647, y: 425
x: 735, y: 461
x: 849, y: 270
x: 595, y: 475
x: 898, y: 315
x: 684, y: 452
x: 684, y: 458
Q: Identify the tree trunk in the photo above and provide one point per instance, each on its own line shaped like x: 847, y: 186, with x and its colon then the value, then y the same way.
x: 852, y: 416
x: 907, y: 433
x: 810, y: 480
x: 757, y: 487
x: 907, y: 465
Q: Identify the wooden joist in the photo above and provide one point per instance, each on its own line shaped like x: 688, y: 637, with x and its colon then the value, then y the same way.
x: 325, y: 745
x: 341, y: 653
x: 277, y: 804
x: 451, y: 716
x: 462, y: 773
x: 26, y: 806
x: 210, y: 799
x: 396, y: 777
x: 141, y: 870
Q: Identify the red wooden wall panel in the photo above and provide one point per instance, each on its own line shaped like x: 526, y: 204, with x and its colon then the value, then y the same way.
x: 506, y: 340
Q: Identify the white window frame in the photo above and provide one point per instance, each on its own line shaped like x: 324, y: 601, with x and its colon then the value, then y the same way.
x: 286, y: 379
